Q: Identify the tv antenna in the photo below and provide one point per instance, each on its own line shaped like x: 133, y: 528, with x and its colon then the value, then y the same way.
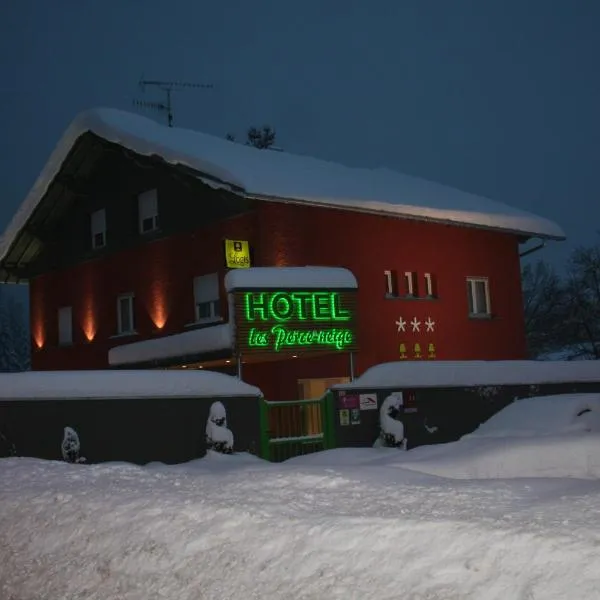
x: 168, y: 87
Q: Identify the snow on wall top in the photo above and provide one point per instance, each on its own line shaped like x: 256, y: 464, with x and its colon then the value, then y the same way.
x: 121, y: 384
x: 290, y: 277
x: 284, y: 176
x: 473, y: 373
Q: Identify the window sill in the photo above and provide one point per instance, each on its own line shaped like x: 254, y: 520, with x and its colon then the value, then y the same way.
x: 151, y: 232
x: 123, y: 334
x: 481, y: 316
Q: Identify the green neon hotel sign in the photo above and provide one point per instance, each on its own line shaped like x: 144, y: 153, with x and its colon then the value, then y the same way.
x: 296, y: 320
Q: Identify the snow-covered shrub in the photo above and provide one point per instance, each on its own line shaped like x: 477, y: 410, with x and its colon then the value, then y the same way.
x: 391, y: 433
x: 218, y: 437
x: 71, y: 447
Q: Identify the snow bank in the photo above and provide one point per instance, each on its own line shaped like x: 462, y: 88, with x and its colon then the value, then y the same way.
x: 121, y: 384
x: 544, y: 415
x: 508, y: 458
x: 189, y: 343
x: 118, y: 531
x: 279, y: 175
x: 547, y: 436
x: 473, y: 373
x: 290, y: 277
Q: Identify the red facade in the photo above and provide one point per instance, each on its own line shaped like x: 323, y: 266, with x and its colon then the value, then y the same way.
x: 160, y: 274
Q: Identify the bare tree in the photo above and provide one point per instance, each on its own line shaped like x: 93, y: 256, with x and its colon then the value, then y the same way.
x: 546, y: 308
x: 583, y: 293
x: 261, y: 138
x: 258, y: 137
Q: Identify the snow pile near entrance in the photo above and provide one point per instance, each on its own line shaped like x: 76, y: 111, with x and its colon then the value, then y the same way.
x: 282, y: 176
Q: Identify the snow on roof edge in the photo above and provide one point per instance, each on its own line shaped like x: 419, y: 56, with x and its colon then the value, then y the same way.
x: 98, y: 121
x: 33, y: 385
x: 291, y: 277
x: 409, y: 374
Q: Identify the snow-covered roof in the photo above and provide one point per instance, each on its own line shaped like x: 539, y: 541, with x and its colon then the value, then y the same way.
x: 290, y: 277
x: 121, y: 384
x: 282, y: 176
x: 189, y: 343
x: 443, y: 373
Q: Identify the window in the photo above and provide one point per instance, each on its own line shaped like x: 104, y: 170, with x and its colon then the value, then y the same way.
x: 410, y: 277
x: 478, y: 293
x: 125, y: 322
x: 206, y: 297
x: 148, y: 211
x: 65, y: 326
x: 98, y: 227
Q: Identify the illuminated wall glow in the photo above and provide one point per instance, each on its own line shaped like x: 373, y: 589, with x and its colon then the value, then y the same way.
x: 157, y: 303
x: 89, y: 319
x: 38, y: 329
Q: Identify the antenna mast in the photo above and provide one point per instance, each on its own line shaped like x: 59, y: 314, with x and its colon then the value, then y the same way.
x: 167, y: 87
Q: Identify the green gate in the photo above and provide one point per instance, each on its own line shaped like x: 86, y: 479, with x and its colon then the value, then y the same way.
x: 296, y: 427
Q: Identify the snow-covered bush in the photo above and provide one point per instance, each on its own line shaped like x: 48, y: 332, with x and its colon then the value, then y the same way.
x: 218, y: 437
x: 391, y: 433
x: 71, y: 447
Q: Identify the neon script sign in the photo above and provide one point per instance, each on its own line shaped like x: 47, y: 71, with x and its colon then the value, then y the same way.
x: 295, y: 320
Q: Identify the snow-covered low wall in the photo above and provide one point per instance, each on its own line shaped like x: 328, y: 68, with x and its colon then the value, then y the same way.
x: 139, y: 417
x: 441, y: 411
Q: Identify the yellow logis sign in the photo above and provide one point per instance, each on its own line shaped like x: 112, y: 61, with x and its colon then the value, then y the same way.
x: 237, y: 254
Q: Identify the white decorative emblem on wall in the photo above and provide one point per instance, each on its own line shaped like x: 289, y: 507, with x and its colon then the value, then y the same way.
x: 401, y: 324
x: 416, y: 324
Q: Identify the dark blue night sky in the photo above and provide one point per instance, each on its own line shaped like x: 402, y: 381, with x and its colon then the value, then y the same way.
x: 497, y: 97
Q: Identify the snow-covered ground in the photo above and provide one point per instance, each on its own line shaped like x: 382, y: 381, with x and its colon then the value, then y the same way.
x: 349, y: 523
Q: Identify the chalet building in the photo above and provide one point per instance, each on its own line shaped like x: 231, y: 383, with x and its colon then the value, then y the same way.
x: 151, y: 247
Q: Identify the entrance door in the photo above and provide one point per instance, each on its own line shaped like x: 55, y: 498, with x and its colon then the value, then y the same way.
x: 309, y: 389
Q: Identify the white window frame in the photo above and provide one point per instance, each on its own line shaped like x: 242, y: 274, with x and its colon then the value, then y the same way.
x: 148, y: 211
x: 471, y: 283
x: 98, y: 227
x: 206, y: 294
x: 65, y: 326
x: 131, y: 305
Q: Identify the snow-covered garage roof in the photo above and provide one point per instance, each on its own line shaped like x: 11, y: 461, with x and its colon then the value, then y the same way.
x: 121, y: 384
x: 282, y: 176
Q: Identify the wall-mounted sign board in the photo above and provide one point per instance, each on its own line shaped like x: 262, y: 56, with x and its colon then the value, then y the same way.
x: 237, y: 254
x: 295, y: 321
